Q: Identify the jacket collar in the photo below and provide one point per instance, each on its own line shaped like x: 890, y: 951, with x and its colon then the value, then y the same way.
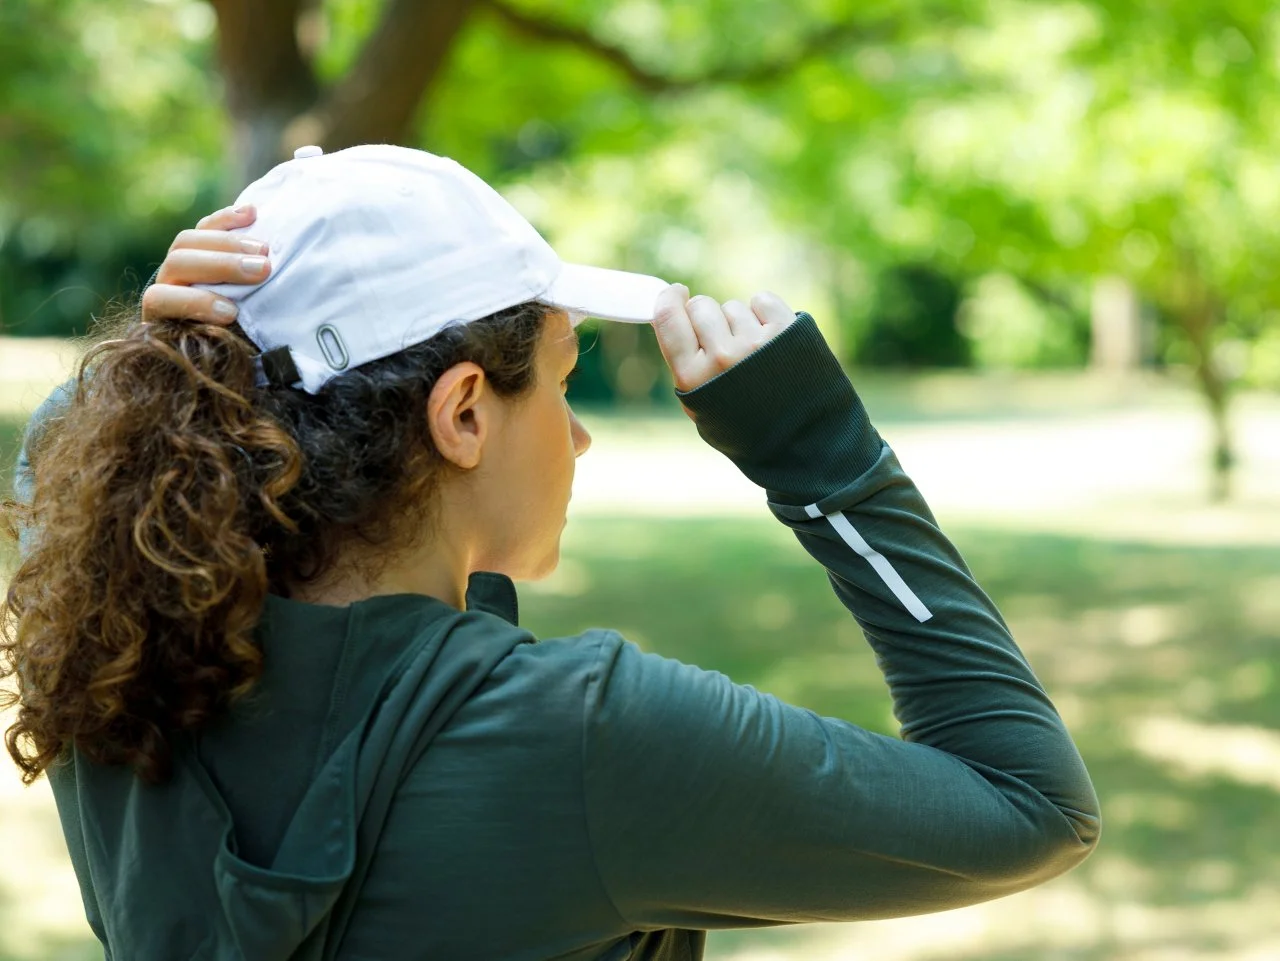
x: 493, y: 594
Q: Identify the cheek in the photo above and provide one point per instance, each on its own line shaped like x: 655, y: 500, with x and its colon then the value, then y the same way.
x: 549, y: 440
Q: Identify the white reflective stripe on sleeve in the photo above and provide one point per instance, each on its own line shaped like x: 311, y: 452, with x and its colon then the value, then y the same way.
x: 879, y: 563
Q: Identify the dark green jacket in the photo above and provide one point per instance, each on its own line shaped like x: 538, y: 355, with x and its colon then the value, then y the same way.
x: 414, y: 782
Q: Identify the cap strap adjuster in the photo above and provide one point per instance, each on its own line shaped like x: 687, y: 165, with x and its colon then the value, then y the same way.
x: 276, y: 368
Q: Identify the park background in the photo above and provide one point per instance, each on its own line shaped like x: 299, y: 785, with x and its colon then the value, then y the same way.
x: 1041, y: 236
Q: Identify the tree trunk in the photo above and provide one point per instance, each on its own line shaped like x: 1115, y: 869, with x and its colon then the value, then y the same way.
x: 277, y: 104
x: 377, y: 101
x: 1198, y: 322
x: 1117, y: 342
x: 260, y: 140
x: 268, y: 80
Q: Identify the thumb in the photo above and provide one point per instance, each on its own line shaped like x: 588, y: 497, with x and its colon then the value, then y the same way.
x: 677, y: 338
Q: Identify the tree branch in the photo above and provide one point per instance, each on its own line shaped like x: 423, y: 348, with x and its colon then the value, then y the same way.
x: 655, y: 81
x: 375, y: 102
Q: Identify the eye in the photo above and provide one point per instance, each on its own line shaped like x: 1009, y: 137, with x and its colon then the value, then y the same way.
x: 569, y: 377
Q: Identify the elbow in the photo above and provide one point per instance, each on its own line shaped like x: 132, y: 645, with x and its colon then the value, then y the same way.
x: 1062, y: 831
x: 1078, y: 841
x: 1082, y: 825
x: 1052, y: 849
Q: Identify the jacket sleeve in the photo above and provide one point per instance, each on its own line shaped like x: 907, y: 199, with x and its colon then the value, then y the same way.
x: 710, y: 804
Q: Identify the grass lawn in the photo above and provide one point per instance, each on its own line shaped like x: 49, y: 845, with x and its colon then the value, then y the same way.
x: 1161, y: 653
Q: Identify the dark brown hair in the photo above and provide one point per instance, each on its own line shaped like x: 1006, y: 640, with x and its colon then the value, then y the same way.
x: 173, y: 495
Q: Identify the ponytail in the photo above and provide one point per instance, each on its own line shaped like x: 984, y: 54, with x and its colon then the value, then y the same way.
x: 132, y: 615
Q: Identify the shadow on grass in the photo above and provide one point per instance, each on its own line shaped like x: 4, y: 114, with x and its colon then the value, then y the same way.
x: 1122, y: 635
x: 59, y: 949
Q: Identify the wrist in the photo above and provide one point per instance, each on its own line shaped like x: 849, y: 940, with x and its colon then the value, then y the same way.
x: 788, y: 417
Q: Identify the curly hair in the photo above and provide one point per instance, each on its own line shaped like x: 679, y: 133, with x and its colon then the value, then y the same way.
x: 173, y: 495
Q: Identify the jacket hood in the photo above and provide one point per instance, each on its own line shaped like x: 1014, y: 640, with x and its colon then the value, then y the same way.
x: 170, y: 852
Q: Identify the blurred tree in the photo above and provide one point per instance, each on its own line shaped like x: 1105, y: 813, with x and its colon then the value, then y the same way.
x: 286, y: 85
x: 1144, y: 145
x: 1043, y: 144
x: 1060, y: 142
x: 912, y: 321
x: 105, y: 142
x: 114, y: 117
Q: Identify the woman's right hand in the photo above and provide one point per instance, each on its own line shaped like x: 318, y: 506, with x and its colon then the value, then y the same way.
x: 208, y: 254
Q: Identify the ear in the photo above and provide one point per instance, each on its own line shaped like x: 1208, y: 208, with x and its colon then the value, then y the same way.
x: 459, y: 415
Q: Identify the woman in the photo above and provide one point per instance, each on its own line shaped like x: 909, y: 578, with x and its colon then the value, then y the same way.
x: 266, y: 643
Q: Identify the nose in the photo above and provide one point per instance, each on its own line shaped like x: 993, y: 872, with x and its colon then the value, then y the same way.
x: 581, y: 437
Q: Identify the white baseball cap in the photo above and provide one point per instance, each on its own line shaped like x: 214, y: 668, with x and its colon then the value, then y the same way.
x: 376, y: 248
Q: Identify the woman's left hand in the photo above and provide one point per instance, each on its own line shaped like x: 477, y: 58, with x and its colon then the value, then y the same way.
x: 701, y: 338
x: 208, y: 254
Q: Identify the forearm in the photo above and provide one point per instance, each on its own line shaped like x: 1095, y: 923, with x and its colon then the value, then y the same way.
x: 794, y: 425
x: 958, y: 681
x: 711, y: 804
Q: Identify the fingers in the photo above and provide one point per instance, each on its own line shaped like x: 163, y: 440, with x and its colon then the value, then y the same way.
x: 172, y: 297
x: 218, y: 240
x: 701, y: 339
x: 212, y: 253
x: 711, y: 326
x: 189, y: 265
x: 229, y: 218
x: 676, y: 337
x: 743, y: 321
x: 168, y: 302
x: 772, y: 310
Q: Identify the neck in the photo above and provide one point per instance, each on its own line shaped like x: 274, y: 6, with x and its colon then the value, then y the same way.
x: 437, y: 569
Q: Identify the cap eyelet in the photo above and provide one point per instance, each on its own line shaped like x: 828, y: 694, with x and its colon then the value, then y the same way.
x: 332, y: 347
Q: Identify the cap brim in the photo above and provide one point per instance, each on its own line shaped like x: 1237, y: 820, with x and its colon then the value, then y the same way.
x: 607, y: 294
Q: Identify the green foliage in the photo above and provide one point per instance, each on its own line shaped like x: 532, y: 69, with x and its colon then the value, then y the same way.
x: 1012, y: 328
x: 1047, y: 142
x: 617, y: 364
x: 10, y: 441
x: 1109, y: 139
x: 110, y: 136
x: 912, y: 321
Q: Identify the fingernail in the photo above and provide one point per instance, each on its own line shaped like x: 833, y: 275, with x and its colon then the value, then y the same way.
x: 253, y: 265
x: 242, y: 209
x: 225, y: 308
x: 253, y: 247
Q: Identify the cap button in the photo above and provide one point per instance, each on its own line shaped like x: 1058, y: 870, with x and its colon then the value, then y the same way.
x: 311, y: 150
